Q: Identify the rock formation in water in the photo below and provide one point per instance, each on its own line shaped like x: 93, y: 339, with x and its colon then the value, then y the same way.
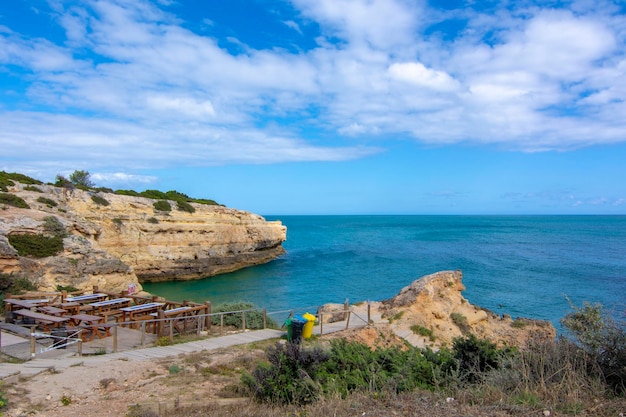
x: 433, y: 312
x: 114, y: 241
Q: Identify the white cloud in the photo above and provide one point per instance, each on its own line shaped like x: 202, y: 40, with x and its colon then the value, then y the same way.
x: 416, y: 73
x: 133, y: 85
x: 293, y: 25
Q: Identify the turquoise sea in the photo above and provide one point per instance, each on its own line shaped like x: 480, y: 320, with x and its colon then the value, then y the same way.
x: 524, y: 266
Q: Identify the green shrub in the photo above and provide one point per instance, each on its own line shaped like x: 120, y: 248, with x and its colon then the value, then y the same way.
x: 154, y: 194
x: 254, y: 317
x: 15, y: 284
x: 54, y: 227
x: 184, y: 206
x: 162, y: 205
x: 68, y: 288
x: 13, y: 200
x: 37, y: 246
x: 423, y: 331
x: 461, y: 322
x: 299, y: 376
x: 603, y: 338
x: 3, y: 401
x: 47, y: 201
x: 33, y: 188
x: 153, y: 220
x: 9, y: 177
x: 101, y: 201
x: 476, y: 357
x: 131, y: 193
x: 289, y: 377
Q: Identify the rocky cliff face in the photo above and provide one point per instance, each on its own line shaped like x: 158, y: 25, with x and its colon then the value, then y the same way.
x: 124, y: 240
x: 435, y: 312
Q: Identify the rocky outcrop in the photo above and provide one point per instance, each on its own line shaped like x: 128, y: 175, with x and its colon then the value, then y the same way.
x: 113, y: 240
x: 434, y: 312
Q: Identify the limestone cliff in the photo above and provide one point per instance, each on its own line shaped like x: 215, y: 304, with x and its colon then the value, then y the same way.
x: 113, y: 240
x: 434, y: 312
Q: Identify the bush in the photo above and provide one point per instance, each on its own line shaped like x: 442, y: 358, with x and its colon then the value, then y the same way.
x: 476, y: 357
x: 162, y: 205
x: 68, y: 288
x: 13, y: 285
x: 184, y: 206
x: 289, y: 377
x: 254, y: 318
x: 47, y: 201
x: 37, y: 246
x: 101, y: 201
x: 603, y: 338
x: 54, y: 227
x: 33, y: 188
x: 461, y: 322
x: 13, y: 200
x: 153, y: 220
x: 423, y: 331
x: 7, y: 178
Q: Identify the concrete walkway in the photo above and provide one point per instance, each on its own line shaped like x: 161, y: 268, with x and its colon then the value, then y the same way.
x: 10, y: 372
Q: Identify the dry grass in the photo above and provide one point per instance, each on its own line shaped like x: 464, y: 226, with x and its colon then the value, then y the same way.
x: 422, y: 403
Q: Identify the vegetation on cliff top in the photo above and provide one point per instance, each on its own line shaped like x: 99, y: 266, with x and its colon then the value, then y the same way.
x: 82, y: 180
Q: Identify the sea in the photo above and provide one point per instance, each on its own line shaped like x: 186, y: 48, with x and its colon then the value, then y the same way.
x: 524, y: 266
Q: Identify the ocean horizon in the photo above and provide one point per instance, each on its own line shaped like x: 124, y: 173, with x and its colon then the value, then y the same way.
x: 523, y: 265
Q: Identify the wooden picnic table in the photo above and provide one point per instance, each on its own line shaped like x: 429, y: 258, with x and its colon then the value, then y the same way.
x: 88, y: 298
x: 178, y: 319
x: 129, y: 314
x: 45, y: 320
x: 92, y: 326
x: 70, y: 307
x: 53, y: 311
x: 11, y: 303
x: 108, y: 305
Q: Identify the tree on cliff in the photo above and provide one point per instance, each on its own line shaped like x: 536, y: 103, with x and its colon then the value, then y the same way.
x: 81, y: 178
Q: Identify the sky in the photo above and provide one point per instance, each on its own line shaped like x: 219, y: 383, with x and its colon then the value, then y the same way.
x: 324, y: 106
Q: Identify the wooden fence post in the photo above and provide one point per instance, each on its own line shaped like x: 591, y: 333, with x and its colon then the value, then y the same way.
x: 115, y: 338
x: 221, y: 324
x: 264, y: 318
x: 208, y: 317
x: 32, y: 341
x: 243, y: 321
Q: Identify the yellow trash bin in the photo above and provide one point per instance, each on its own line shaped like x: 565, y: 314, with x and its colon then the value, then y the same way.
x: 308, y: 326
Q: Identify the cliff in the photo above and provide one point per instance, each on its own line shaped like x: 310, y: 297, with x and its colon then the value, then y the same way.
x: 432, y: 311
x: 113, y: 240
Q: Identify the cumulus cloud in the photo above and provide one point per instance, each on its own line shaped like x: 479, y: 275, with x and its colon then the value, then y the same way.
x: 416, y: 73
x: 132, y: 83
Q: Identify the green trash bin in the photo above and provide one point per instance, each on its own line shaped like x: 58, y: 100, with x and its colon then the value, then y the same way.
x: 295, y: 325
x: 289, y: 326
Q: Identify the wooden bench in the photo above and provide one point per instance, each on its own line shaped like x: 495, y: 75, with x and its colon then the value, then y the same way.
x: 15, y: 329
x: 89, y: 332
x: 45, y: 320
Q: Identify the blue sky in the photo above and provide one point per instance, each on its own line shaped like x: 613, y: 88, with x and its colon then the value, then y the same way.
x: 324, y: 106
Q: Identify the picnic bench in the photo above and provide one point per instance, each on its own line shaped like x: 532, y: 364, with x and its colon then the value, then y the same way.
x: 130, y: 314
x: 53, y: 311
x: 11, y: 304
x: 111, y: 306
x: 87, y: 298
x: 70, y: 307
x: 91, y: 326
x: 44, y: 320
